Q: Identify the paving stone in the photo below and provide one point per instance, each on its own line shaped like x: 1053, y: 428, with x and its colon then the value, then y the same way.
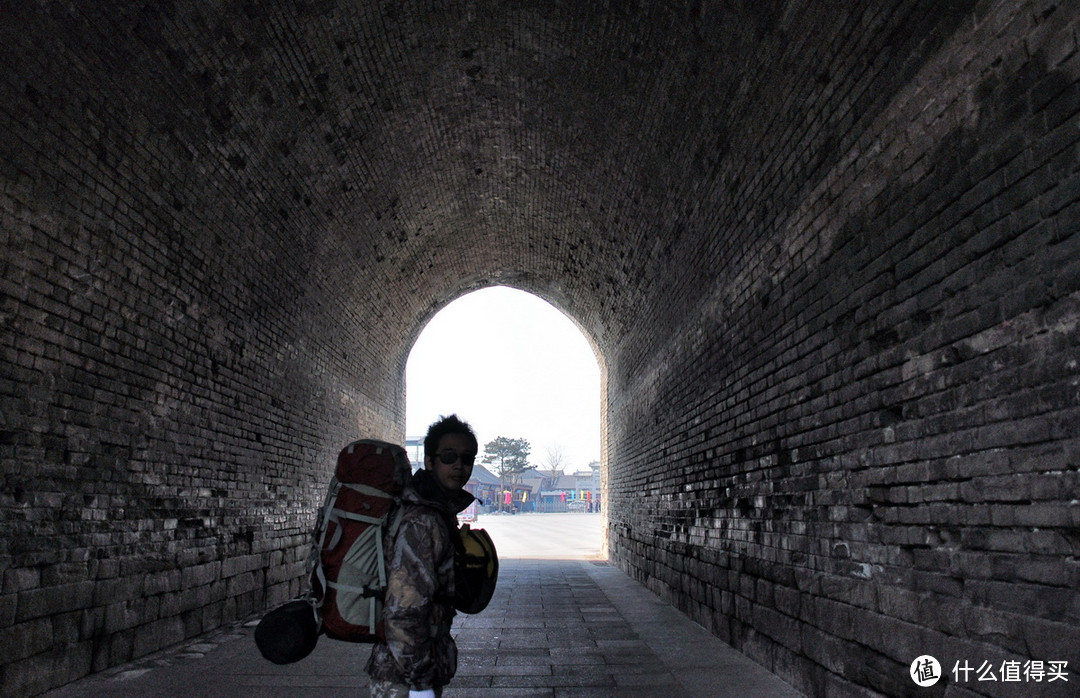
x: 230, y: 663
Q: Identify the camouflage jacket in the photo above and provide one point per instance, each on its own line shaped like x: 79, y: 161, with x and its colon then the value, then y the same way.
x: 419, y: 651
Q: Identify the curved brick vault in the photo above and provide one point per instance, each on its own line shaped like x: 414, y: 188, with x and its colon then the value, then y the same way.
x: 827, y: 251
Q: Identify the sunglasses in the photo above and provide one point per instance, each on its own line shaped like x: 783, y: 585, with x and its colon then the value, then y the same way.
x: 451, y: 457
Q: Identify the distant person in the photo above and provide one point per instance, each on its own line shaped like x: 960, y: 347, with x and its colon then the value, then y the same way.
x: 419, y: 657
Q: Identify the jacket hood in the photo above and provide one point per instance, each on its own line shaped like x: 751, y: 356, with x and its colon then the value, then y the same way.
x: 424, y: 489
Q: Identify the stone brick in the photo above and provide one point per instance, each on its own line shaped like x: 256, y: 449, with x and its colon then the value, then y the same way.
x: 238, y: 565
x: 16, y: 580
x: 111, y: 590
x: 119, y: 617
x: 201, y: 575
x: 1051, y: 640
x: 8, y: 604
x: 157, y: 635
x: 33, y: 675
x: 36, y: 603
x: 162, y: 582
x: 24, y: 640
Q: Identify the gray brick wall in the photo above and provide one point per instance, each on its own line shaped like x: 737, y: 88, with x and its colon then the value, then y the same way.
x: 176, y: 382
x: 857, y: 444
x: 827, y: 253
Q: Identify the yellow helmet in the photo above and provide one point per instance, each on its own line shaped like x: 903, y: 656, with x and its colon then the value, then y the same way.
x: 476, y: 570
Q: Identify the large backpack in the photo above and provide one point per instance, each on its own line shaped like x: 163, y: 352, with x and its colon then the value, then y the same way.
x: 347, y: 564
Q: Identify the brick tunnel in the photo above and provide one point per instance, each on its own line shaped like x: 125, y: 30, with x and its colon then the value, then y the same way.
x: 828, y: 254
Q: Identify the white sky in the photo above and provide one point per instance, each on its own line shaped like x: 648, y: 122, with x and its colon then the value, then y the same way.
x: 511, y: 365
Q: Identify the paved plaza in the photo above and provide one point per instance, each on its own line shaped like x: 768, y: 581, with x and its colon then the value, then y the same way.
x: 545, y: 536
x: 557, y: 626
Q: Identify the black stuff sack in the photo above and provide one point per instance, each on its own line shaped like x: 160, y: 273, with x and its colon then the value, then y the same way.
x: 288, y: 633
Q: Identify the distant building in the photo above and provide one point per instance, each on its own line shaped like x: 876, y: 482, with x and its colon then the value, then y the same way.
x: 484, y: 485
x: 533, y: 491
x: 414, y: 446
x: 577, y: 492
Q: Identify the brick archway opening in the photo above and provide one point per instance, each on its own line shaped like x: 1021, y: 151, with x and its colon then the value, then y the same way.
x: 516, y: 366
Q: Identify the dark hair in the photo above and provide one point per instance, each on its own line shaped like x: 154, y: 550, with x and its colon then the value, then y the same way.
x: 447, y: 425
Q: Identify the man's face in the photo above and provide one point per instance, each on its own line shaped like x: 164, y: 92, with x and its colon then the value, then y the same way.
x: 456, y: 448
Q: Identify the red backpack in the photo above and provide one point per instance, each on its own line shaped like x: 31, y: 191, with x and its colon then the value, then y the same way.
x: 347, y: 565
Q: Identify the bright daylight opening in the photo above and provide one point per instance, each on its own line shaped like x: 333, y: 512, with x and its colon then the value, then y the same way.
x: 526, y: 379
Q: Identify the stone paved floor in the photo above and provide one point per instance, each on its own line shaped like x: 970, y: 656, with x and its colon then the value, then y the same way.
x: 555, y: 628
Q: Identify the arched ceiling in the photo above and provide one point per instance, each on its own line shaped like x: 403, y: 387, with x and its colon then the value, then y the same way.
x: 606, y: 156
x: 450, y: 146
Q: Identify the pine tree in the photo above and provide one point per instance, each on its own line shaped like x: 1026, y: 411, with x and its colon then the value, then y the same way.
x: 510, y: 457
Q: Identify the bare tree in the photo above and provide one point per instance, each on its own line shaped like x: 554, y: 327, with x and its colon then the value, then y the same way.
x: 553, y: 464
